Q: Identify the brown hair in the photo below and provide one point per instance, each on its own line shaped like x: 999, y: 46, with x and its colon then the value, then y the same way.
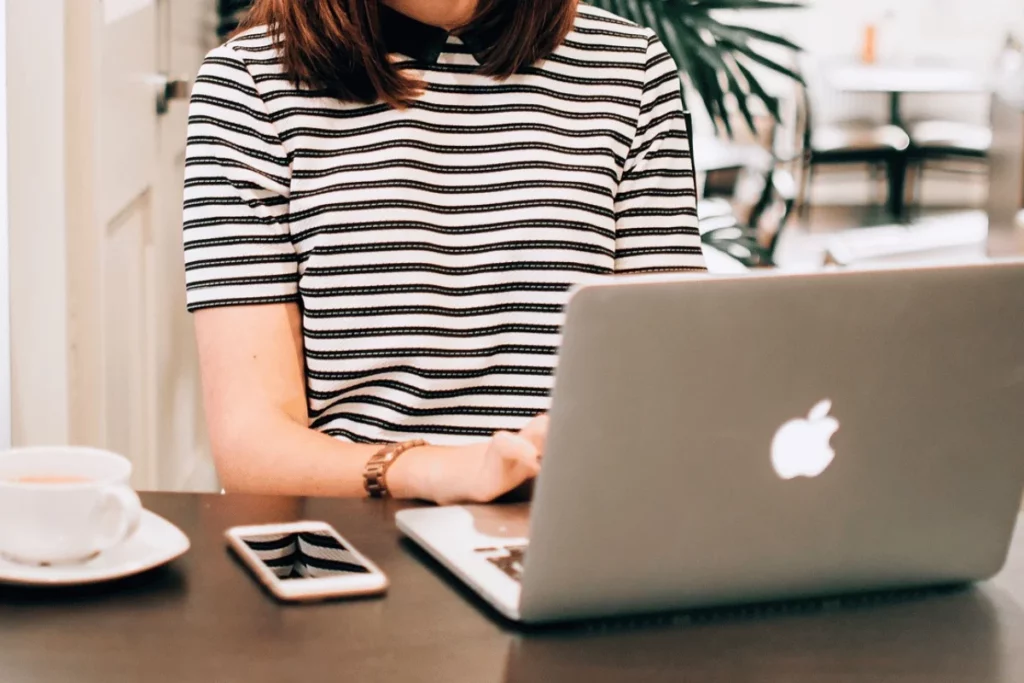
x: 337, y: 45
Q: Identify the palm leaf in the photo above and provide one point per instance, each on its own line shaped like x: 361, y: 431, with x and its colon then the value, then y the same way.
x: 718, y: 59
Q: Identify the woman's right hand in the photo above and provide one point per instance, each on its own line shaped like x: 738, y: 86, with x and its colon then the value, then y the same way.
x: 478, y: 473
x: 504, y: 463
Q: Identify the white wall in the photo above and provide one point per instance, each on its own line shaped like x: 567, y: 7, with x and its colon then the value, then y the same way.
x: 5, y: 301
x: 963, y: 32
x: 968, y: 32
x: 38, y: 278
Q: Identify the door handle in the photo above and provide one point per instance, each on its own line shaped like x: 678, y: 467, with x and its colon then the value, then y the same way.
x: 170, y: 89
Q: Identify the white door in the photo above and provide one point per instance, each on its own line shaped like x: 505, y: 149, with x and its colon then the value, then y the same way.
x: 133, y: 385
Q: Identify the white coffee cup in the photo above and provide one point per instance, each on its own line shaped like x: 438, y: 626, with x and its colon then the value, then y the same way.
x: 64, y: 505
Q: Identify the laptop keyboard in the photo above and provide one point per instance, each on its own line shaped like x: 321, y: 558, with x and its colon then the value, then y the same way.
x: 509, y: 559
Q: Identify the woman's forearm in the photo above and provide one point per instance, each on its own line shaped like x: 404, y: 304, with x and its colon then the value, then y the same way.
x: 256, y: 408
x: 277, y: 455
x: 282, y: 457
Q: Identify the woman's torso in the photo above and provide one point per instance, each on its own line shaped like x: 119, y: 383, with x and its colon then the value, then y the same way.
x: 437, y: 244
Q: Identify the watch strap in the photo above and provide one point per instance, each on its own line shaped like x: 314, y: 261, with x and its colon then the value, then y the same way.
x: 376, y: 470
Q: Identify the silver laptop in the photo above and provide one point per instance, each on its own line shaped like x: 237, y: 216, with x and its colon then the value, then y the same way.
x: 758, y: 438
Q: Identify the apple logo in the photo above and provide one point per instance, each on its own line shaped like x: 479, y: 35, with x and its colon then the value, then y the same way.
x: 801, y: 447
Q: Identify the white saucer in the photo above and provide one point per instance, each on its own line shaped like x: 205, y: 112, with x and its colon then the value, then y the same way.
x: 157, y: 542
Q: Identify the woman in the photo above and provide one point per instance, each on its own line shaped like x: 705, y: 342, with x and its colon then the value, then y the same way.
x: 386, y: 205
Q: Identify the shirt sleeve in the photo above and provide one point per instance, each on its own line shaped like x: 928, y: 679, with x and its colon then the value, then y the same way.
x: 656, y: 204
x: 238, y: 248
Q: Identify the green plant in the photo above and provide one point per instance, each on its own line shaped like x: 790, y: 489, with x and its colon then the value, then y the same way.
x: 717, y: 57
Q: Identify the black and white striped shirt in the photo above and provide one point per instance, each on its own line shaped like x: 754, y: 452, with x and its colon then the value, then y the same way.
x: 431, y: 249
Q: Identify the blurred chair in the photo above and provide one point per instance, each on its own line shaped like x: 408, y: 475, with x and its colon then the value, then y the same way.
x: 877, y: 146
x: 954, y: 146
x: 949, y: 146
x: 754, y: 244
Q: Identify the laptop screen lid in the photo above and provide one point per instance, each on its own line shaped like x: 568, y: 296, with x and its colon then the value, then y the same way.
x: 661, y: 489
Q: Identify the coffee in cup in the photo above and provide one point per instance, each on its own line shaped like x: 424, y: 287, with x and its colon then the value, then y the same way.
x: 51, y: 479
x: 63, y: 505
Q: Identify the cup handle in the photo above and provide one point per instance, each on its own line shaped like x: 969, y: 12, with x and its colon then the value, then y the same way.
x: 125, y: 503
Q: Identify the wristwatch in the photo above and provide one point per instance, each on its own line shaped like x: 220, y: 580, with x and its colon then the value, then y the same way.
x: 376, y: 470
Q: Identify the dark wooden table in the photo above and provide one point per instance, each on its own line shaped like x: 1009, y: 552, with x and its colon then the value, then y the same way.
x: 204, y: 619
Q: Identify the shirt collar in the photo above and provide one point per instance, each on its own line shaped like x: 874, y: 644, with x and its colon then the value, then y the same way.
x: 423, y: 42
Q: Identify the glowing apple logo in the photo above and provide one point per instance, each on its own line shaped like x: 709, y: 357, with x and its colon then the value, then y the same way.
x: 801, y: 447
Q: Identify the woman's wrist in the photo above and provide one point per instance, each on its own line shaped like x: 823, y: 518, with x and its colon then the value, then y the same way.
x: 432, y: 473
x: 407, y: 476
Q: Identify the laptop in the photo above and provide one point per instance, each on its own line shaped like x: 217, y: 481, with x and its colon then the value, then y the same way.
x: 743, y: 439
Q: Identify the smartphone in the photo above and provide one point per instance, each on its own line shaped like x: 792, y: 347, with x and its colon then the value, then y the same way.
x: 305, y: 561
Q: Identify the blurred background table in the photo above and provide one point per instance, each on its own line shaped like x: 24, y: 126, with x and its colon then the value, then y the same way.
x: 897, y: 80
